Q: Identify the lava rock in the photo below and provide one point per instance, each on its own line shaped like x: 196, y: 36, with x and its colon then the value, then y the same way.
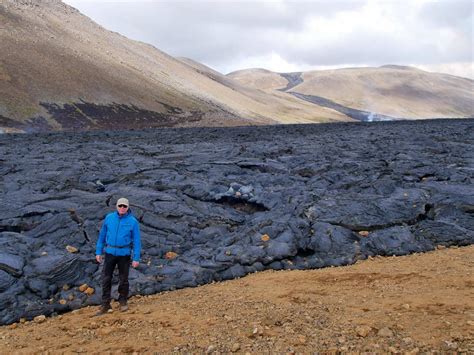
x: 216, y: 204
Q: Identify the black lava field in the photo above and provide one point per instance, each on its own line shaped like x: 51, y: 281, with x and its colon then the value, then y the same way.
x: 219, y: 203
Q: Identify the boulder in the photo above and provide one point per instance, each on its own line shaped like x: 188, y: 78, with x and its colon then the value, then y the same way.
x: 11, y: 263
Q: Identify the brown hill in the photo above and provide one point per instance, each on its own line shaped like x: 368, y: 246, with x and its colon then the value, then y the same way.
x: 282, y: 107
x: 60, y: 70
x: 259, y: 78
x: 396, y: 91
x: 412, y: 304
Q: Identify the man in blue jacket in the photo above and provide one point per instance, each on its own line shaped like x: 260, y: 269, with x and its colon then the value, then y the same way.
x: 119, y: 238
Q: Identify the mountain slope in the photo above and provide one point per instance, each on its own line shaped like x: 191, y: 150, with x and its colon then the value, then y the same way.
x: 285, y: 108
x: 392, y: 91
x: 60, y: 70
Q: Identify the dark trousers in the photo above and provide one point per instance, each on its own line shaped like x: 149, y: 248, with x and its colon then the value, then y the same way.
x: 123, y: 263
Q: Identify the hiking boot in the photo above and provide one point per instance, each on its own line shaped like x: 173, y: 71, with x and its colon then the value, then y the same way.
x: 123, y: 307
x: 103, y: 310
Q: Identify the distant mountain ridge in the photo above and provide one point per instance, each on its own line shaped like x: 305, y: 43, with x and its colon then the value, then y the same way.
x: 59, y: 70
x: 386, y: 92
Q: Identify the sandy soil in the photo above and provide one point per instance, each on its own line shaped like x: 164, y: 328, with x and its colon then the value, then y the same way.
x: 414, y: 304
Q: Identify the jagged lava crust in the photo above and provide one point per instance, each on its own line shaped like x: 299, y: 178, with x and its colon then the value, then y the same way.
x: 219, y: 203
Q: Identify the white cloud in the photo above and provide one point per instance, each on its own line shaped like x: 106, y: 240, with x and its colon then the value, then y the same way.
x: 272, y: 61
x: 464, y: 69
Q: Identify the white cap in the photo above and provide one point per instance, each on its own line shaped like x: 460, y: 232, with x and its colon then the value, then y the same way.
x: 123, y: 201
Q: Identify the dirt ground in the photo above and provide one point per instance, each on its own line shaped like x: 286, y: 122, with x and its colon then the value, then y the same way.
x: 411, y: 304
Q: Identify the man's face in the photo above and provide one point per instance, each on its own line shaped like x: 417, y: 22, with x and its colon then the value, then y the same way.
x: 122, y: 209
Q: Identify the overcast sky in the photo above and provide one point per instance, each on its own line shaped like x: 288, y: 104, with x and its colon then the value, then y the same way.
x: 286, y: 36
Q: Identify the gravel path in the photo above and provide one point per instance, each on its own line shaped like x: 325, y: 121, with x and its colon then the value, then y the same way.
x: 411, y: 304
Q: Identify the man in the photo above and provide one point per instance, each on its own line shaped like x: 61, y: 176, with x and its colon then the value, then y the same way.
x: 119, y: 238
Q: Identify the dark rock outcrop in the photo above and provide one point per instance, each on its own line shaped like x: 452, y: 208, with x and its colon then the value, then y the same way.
x: 219, y: 203
x: 360, y: 115
x: 294, y: 79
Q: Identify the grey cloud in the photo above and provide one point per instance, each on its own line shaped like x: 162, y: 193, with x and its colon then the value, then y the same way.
x: 243, y: 14
x: 217, y: 33
x: 185, y: 28
x: 374, y: 48
x: 454, y: 14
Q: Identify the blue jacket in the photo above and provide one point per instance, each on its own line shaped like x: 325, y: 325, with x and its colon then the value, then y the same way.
x: 118, y: 235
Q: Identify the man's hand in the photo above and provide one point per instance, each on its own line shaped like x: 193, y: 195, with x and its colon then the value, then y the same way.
x: 99, y: 258
x: 135, y: 264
